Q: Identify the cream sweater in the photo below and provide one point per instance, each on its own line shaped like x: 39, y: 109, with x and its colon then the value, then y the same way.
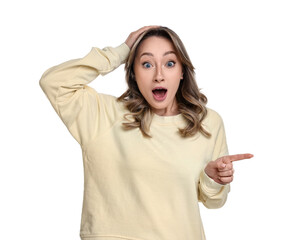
x: 134, y: 187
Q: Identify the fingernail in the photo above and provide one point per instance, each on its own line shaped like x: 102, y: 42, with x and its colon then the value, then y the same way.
x: 223, y: 165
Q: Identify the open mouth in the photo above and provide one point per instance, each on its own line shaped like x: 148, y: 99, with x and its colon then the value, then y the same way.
x: 159, y: 93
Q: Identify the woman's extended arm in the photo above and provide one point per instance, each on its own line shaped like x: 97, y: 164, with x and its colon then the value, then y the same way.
x: 211, y: 193
x: 218, y: 173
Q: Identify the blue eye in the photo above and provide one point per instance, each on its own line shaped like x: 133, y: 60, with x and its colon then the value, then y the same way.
x: 147, y: 65
x: 170, y: 64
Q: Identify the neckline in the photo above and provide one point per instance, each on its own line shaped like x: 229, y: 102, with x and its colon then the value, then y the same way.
x: 168, y: 119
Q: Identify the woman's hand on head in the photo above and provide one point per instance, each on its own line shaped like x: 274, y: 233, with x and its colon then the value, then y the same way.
x: 134, y: 35
x: 221, y: 170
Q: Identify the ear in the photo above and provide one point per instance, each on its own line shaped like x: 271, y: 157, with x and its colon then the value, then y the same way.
x: 181, y: 76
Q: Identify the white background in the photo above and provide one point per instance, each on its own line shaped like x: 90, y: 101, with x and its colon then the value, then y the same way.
x: 248, y: 57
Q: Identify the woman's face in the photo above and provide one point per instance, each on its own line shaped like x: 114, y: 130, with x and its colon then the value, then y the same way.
x: 157, y: 67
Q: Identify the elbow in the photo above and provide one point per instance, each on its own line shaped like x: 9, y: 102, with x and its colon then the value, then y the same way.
x: 44, y: 82
x: 46, y: 79
x: 214, y: 200
x: 48, y: 86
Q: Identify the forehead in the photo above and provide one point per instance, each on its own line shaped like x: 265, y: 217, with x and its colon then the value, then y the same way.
x: 155, y: 45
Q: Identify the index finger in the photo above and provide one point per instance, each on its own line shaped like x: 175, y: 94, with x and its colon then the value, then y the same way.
x: 237, y: 157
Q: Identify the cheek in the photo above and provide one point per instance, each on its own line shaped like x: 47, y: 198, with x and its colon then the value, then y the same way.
x: 175, y: 73
x: 176, y: 86
x: 175, y: 80
x: 142, y: 83
x: 143, y: 79
x: 142, y: 87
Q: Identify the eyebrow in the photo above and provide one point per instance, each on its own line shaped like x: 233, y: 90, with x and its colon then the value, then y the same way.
x: 150, y: 54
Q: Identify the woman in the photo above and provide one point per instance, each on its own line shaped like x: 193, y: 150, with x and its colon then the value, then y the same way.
x: 151, y: 154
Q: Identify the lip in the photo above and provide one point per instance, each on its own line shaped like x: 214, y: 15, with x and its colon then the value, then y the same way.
x: 159, y: 88
x: 158, y: 98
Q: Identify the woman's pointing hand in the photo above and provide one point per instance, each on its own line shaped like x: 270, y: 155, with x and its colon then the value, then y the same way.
x: 221, y: 170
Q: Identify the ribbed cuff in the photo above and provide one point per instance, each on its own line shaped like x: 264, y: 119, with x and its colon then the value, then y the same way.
x: 209, y: 185
x: 123, y: 51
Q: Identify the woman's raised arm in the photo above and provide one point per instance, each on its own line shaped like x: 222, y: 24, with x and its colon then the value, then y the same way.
x: 78, y: 105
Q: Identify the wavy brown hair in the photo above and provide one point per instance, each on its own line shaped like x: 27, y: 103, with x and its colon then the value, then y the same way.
x: 191, y: 102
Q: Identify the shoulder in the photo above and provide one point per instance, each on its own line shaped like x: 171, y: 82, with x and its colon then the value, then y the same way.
x: 213, y: 117
x: 213, y: 120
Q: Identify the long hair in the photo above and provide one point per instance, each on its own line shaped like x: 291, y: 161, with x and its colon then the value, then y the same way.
x: 191, y: 102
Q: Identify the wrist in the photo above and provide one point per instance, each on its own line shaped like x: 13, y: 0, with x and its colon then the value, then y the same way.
x: 123, y: 51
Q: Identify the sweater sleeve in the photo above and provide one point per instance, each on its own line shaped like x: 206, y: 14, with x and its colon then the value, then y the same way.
x: 211, y: 193
x: 79, y: 106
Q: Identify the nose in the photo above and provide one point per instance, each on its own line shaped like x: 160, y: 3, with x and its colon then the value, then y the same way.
x: 159, y: 75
